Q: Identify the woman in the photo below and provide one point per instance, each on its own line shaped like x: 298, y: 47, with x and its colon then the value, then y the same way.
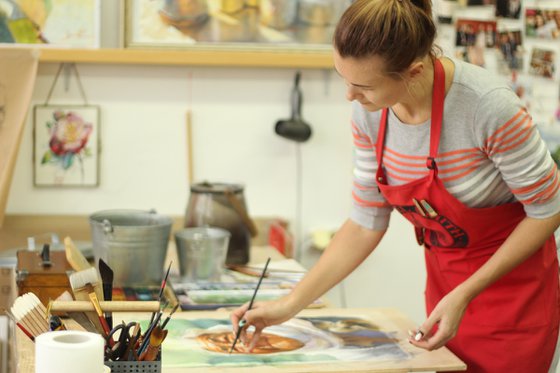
x: 475, y: 180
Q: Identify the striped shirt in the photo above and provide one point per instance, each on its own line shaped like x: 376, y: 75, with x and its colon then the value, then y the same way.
x: 490, y: 152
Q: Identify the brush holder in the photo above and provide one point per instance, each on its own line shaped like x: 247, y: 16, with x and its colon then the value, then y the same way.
x: 134, y: 366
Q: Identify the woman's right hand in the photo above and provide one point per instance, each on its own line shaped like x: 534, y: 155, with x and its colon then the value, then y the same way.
x: 262, y: 314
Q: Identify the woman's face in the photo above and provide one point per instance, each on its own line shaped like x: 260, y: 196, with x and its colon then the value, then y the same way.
x: 368, y: 84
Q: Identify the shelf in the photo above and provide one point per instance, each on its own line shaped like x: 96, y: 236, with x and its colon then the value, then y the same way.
x: 215, y: 58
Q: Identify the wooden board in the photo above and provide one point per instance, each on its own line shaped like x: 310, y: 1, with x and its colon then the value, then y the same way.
x: 389, y: 321
x: 18, y: 69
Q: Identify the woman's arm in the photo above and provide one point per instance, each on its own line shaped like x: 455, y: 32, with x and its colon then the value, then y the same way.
x: 350, y: 246
x: 528, y: 237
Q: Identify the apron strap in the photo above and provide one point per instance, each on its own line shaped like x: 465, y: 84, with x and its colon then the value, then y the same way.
x: 438, y: 97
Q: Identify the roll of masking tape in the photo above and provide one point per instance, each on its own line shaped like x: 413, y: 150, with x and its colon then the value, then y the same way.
x: 69, y: 351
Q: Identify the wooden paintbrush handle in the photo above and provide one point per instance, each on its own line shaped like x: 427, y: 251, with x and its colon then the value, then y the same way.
x: 113, y: 306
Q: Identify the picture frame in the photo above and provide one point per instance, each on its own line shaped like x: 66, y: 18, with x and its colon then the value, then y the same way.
x: 55, y: 23
x: 66, y: 145
x: 267, y: 25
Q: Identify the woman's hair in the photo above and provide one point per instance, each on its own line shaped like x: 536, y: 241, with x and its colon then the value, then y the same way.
x: 399, y: 31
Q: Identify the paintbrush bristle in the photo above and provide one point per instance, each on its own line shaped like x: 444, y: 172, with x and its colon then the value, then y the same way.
x: 28, y: 312
x: 82, y: 278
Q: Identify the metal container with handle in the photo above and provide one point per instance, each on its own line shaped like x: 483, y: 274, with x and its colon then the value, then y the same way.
x: 133, y: 243
x: 222, y: 205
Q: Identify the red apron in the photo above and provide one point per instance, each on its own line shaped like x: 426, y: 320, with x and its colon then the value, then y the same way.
x: 512, y: 326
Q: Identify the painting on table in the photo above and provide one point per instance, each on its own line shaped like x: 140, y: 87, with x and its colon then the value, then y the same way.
x: 62, y: 23
x: 337, y: 340
x: 66, y: 146
x: 206, y: 342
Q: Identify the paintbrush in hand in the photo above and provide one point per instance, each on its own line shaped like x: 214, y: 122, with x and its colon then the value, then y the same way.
x: 243, y: 322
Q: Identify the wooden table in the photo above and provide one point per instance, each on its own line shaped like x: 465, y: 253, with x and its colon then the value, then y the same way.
x: 390, y: 320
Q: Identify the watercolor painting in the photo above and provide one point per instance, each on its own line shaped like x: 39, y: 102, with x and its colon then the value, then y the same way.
x: 270, y: 24
x: 206, y: 343
x: 66, y: 145
x: 62, y: 23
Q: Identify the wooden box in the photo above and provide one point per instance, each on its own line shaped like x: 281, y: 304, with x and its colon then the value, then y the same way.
x: 46, y: 281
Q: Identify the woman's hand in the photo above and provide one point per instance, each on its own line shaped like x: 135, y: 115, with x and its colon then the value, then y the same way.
x: 262, y: 314
x: 446, y: 316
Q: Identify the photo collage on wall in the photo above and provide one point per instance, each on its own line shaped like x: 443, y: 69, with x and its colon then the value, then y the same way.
x: 519, y: 39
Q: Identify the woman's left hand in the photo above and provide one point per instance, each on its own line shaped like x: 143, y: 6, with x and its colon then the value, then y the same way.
x: 442, y: 324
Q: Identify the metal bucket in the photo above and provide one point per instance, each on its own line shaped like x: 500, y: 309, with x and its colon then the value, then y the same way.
x: 133, y: 243
x: 202, y: 253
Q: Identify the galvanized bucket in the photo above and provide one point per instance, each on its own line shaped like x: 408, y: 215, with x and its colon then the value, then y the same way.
x: 133, y: 243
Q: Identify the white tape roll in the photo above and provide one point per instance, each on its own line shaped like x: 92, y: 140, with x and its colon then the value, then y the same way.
x: 69, y: 351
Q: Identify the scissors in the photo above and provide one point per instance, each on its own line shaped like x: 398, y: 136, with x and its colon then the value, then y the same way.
x: 126, y: 334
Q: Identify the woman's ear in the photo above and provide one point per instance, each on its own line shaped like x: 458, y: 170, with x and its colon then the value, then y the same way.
x: 415, y: 70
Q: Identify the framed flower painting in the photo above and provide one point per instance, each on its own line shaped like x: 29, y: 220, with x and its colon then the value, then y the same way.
x: 66, y: 146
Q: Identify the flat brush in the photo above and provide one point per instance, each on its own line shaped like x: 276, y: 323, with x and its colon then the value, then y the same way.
x: 95, y: 302
x: 156, y: 339
x: 19, y: 325
x: 28, y: 314
x: 77, y: 315
x: 107, y: 280
x: 74, y: 256
x: 78, y: 282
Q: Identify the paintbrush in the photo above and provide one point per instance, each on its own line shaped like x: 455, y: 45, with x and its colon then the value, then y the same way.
x: 243, y: 321
x: 29, y: 314
x: 163, y: 283
x: 77, y: 315
x: 95, y: 301
x: 107, y: 280
x: 169, y: 316
x: 136, y: 333
x: 156, y: 339
x: 146, y: 336
x: 78, y: 282
x: 74, y: 256
x: 19, y: 325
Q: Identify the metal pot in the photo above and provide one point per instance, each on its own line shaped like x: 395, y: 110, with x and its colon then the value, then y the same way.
x: 222, y: 205
x: 202, y: 253
x: 133, y: 243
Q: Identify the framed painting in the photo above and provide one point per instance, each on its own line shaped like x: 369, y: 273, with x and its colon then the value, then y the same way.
x: 60, y: 23
x: 66, y: 146
x: 236, y: 24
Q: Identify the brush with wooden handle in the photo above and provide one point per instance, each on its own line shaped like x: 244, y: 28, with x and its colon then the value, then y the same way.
x: 156, y: 339
x: 78, y: 282
x: 74, y: 256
